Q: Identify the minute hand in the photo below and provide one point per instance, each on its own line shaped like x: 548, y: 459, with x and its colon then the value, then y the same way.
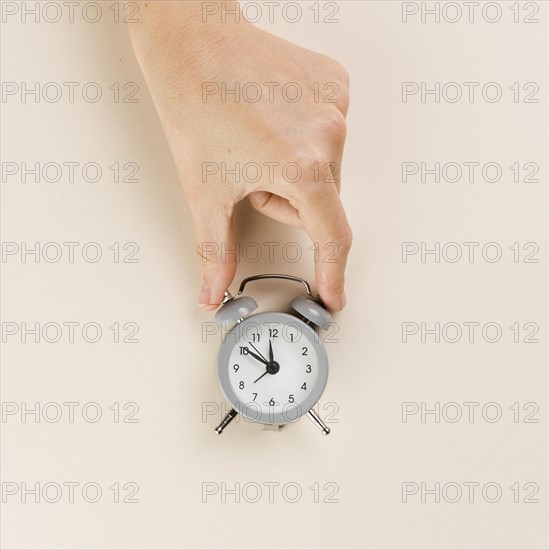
x: 270, y: 352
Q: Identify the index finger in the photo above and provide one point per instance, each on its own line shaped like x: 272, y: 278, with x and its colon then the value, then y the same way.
x: 325, y: 222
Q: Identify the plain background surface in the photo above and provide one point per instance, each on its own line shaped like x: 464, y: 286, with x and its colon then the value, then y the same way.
x: 170, y: 373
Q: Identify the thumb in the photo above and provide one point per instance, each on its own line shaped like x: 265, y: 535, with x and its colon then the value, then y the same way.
x: 215, y: 250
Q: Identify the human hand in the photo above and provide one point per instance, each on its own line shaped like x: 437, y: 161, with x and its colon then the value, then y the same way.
x: 184, y: 60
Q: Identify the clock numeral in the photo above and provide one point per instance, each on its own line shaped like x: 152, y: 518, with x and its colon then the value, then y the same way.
x: 241, y: 385
x: 256, y: 337
x: 304, y: 351
x: 272, y: 402
x: 255, y: 395
x: 308, y: 369
x: 291, y: 398
x: 303, y: 386
x: 292, y: 337
x: 243, y: 350
x: 236, y: 367
x: 273, y: 333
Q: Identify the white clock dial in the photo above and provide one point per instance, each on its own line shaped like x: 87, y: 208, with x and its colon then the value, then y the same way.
x: 274, y: 387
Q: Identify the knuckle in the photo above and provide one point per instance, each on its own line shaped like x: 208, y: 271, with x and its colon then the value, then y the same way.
x: 332, y: 123
x: 308, y: 155
x: 344, y: 97
x: 342, y: 81
x: 335, y: 125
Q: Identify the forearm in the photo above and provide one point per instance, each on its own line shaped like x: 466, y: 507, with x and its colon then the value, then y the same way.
x: 193, y: 21
x: 185, y: 40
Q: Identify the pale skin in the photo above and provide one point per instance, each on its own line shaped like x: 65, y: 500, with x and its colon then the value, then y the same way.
x: 179, y: 53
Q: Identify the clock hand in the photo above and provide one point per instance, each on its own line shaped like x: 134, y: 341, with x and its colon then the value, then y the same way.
x: 261, y: 376
x: 257, y: 357
x: 270, y: 352
x: 264, y: 360
x: 271, y: 366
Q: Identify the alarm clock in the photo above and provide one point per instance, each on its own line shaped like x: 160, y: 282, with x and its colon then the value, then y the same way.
x: 272, y: 366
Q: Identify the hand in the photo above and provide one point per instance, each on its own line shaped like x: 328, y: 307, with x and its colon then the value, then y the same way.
x: 270, y: 352
x: 178, y: 54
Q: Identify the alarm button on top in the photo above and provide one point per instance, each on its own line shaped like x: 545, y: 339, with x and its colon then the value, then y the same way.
x: 312, y: 311
x: 235, y: 309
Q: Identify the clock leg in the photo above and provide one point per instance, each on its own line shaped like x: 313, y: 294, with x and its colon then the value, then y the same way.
x: 318, y: 422
x: 224, y: 423
x: 272, y: 427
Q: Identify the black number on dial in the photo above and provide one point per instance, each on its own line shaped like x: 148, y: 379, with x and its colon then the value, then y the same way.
x: 308, y: 369
x: 235, y: 367
x: 291, y: 398
x: 303, y: 386
x: 304, y: 351
x: 241, y: 385
x: 272, y: 402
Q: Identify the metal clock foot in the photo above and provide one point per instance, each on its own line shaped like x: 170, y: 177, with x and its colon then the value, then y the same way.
x: 272, y: 428
x: 225, y: 422
x: 318, y: 422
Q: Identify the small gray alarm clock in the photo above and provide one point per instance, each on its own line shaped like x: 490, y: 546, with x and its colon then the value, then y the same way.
x: 272, y: 366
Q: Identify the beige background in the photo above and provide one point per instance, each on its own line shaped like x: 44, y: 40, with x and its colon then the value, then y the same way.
x: 170, y: 373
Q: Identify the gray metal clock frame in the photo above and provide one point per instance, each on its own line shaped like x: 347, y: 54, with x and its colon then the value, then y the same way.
x: 267, y: 417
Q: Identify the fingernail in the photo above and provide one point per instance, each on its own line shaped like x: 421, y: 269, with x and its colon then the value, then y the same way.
x: 204, y: 296
x: 343, y: 301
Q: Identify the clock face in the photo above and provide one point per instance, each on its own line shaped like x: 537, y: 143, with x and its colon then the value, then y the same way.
x: 272, y: 368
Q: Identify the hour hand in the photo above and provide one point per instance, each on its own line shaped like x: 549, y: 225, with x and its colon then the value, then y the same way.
x: 257, y: 357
